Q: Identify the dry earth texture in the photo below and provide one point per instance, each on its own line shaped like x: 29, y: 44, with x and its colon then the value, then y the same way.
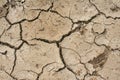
x: 59, y: 39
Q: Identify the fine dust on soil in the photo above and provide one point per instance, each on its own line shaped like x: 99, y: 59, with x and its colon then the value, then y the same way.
x: 59, y: 40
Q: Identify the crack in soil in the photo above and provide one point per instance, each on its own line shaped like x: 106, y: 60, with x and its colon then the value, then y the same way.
x: 98, y: 61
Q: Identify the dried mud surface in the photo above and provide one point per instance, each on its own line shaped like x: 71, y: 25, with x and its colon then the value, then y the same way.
x: 59, y: 40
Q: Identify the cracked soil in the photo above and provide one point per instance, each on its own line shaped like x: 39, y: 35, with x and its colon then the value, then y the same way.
x: 59, y: 39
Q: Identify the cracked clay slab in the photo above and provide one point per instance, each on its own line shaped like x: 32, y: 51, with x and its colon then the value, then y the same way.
x: 26, y: 9
x: 49, y: 26
x: 59, y: 40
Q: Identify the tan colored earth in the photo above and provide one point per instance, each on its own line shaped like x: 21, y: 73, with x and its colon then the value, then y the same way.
x: 59, y: 39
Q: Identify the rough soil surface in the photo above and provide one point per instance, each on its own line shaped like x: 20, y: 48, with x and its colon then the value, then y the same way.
x: 59, y: 40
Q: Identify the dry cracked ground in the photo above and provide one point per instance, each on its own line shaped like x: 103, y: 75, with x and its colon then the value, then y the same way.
x: 59, y: 39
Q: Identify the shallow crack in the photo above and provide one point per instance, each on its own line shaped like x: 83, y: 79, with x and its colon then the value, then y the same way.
x: 15, y: 57
x: 23, y: 20
x: 2, y: 33
x: 100, y: 12
x: 53, y: 11
x: 61, y: 39
x: 89, y: 20
x: 14, y: 64
x: 65, y: 65
x: 39, y: 74
x: 3, y: 53
x: 7, y: 44
x: 21, y: 36
x: 14, y: 78
x: 61, y: 57
x: 72, y: 72
x: 72, y: 50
